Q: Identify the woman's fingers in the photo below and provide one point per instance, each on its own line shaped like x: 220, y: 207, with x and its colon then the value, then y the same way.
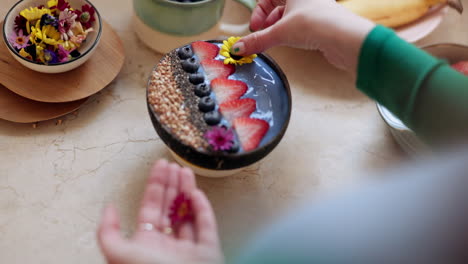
x: 110, y: 240
x: 258, y: 41
x: 187, y: 232
x: 187, y: 180
x: 171, y: 191
x: 187, y: 185
x: 205, y: 222
x: 166, y: 181
x: 274, y: 16
x: 151, y: 209
x: 262, y: 11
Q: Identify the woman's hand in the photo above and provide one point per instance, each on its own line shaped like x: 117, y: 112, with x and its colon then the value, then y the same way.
x: 307, y: 24
x: 154, y: 242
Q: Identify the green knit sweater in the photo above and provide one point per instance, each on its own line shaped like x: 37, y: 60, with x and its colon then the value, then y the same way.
x: 424, y: 92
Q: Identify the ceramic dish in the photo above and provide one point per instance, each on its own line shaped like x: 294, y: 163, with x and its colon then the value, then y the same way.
x: 406, y: 138
x: 18, y: 109
x: 86, y: 50
x: 402, y: 134
x: 267, y: 85
x: 422, y: 27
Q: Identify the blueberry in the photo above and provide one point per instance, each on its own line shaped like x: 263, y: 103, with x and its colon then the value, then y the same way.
x: 185, y: 52
x: 196, y: 78
x: 202, y: 90
x: 190, y: 65
x: 206, y: 104
x: 234, y: 148
x: 212, y: 118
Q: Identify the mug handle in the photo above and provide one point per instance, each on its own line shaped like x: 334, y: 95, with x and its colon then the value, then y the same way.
x: 226, y: 29
x: 250, y: 4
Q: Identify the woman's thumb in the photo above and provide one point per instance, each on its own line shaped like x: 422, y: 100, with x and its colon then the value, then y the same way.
x: 257, y: 42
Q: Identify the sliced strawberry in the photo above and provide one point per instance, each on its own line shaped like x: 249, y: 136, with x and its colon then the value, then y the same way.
x: 461, y: 66
x: 250, y: 131
x: 237, y: 108
x: 228, y: 90
x: 217, y: 69
x: 205, y: 50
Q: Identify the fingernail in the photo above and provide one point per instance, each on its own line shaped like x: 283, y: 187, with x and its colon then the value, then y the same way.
x: 238, y: 48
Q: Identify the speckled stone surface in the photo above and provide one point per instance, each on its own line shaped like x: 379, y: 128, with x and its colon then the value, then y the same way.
x: 56, y: 178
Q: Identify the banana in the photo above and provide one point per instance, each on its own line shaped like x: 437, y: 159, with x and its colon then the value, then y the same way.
x: 395, y: 13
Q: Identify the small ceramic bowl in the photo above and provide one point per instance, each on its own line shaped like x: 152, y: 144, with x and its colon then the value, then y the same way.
x: 405, y: 137
x: 269, y: 87
x: 402, y: 134
x: 86, y: 49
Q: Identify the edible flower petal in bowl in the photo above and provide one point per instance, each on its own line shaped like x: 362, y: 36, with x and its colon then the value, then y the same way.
x: 52, y: 36
x: 230, y: 58
x: 19, y: 40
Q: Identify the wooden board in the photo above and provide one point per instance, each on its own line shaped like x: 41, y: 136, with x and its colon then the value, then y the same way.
x: 21, y: 110
x: 88, y: 79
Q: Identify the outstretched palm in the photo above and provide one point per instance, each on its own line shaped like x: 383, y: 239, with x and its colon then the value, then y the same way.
x: 155, y: 242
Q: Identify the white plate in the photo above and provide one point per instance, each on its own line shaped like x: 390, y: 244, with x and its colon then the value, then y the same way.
x: 422, y: 27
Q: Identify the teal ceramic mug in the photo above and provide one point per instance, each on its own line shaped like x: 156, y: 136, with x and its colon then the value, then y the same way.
x: 165, y: 24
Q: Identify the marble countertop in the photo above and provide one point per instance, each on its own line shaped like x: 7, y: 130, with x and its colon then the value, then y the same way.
x: 56, y: 177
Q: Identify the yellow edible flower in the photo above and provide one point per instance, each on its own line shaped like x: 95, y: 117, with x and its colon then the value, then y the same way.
x: 34, y: 13
x: 36, y: 33
x: 233, y: 59
x: 70, y: 45
x: 50, y: 35
x: 52, y: 3
x: 24, y: 54
x: 47, y: 35
x: 40, y: 53
x: 78, y: 29
x: 79, y: 34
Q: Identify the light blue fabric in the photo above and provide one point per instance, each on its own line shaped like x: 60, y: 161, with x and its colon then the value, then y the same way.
x: 418, y: 214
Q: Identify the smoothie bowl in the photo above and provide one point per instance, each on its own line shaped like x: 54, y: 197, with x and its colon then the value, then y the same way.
x: 218, y: 113
x: 52, y: 36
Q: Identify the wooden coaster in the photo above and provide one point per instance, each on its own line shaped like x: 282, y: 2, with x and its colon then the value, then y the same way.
x: 86, y: 80
x: 21, y: 110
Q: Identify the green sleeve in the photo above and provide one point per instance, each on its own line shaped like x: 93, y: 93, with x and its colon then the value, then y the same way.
x: 428, y: 95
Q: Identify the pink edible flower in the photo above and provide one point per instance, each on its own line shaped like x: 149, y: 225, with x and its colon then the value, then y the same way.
x: 66, y: 22
x: 220, y: 138
x: 181, y: 211
x: 19, y: 40
x: 63, y: 54
x: 86, y: 16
